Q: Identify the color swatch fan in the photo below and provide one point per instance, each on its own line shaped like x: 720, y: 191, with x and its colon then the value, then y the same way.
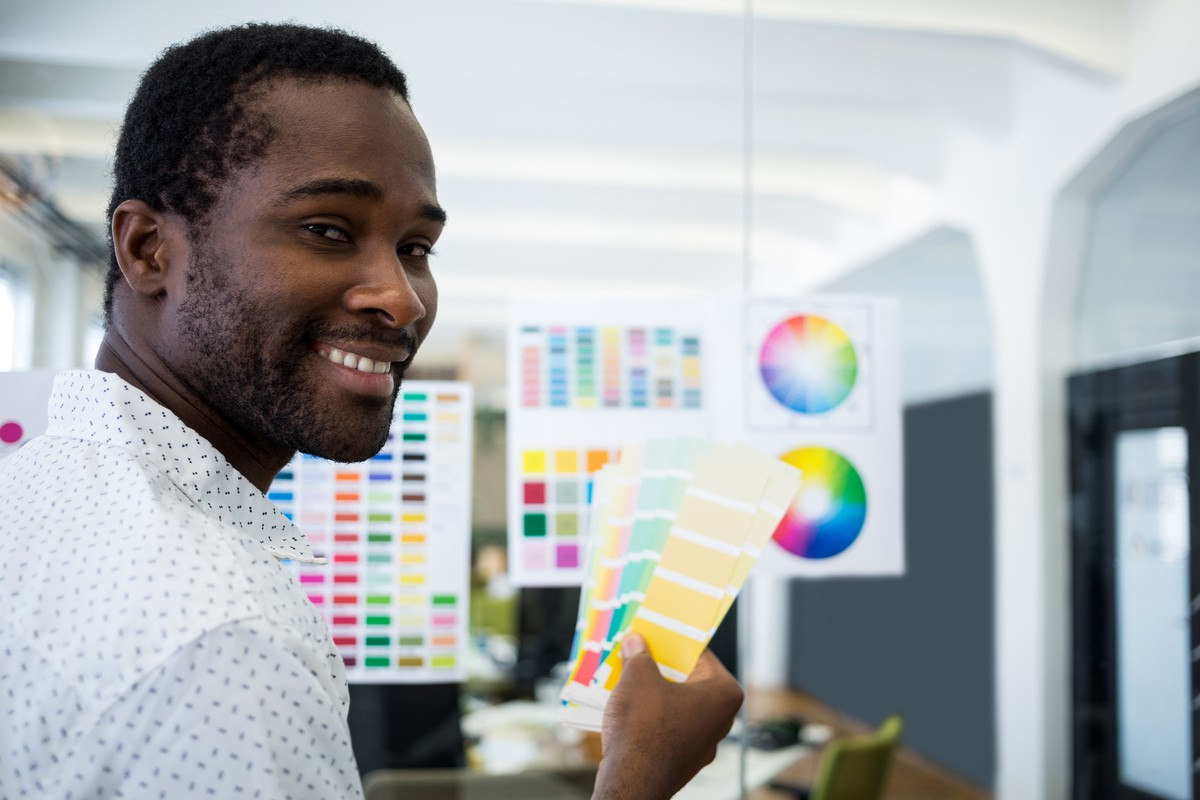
x: 676, y: 528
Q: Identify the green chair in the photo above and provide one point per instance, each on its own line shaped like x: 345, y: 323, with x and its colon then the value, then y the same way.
x: 856, y: 768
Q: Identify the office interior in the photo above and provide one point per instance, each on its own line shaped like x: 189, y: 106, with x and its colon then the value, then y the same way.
x: 1023, y: 176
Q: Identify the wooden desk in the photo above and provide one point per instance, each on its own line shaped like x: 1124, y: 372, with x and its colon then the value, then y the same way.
x: 549, y: 747
x: 912, y: 777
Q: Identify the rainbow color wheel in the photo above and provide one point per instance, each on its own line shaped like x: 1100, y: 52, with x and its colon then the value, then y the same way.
x: 808, y: 364
x: 829, y: 512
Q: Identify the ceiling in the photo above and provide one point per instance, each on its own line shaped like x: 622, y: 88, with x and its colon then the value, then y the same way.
x: 603, y: 143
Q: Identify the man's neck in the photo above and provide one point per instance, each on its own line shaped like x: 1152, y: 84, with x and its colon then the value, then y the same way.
x: 258, y: 462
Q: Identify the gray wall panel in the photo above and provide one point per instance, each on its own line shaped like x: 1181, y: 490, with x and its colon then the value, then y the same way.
x: 920, y: 645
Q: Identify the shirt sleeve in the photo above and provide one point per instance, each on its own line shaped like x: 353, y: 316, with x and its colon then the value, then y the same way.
x: 244, y: 711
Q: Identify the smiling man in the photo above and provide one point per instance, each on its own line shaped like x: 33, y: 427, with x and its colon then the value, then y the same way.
x: 273, y: 215
x: 282, y: 316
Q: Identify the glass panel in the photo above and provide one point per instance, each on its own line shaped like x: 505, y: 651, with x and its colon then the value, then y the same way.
x: 1143, y: 248
x: 8, y: 324
x: 1153, y: 642
x: 946, y: 327
x: 92, y: 337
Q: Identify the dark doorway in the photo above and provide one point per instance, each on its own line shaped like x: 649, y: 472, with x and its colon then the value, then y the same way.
x: 1135, y: 434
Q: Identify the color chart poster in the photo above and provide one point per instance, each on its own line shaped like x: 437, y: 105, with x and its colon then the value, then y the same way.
x: 396, y: 532
x: 23, y: 397
x: 586, y: 377
x: 821, y: 391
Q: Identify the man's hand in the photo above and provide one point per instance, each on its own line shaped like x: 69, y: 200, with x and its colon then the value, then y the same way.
x: 658, y: 734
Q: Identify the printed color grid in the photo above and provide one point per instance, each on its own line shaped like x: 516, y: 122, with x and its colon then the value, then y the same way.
x: 610, y: 367
x: 556, y: 490
x: 396, y: 603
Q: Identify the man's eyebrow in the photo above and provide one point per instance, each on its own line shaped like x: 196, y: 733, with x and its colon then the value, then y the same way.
x: 349, y: 186
x: 353, y: 187
x: 434, y: 212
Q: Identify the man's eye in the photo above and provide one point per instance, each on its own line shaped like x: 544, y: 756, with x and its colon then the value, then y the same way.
x: 328, y: 231
x: 415, y: 249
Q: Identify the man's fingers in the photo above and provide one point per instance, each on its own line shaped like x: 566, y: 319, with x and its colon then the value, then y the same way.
x: 711, y: 674
x: 708, y: 667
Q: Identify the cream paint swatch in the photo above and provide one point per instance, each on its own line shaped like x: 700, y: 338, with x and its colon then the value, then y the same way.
x: 782, y: 487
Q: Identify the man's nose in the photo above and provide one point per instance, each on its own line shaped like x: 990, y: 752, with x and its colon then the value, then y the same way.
x: 385, y: 290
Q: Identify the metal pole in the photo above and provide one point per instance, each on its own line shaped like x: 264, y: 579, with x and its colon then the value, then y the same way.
x: 747, y: 288
x: 748, y: 148
x: 743, y: 649
x: 743, y: 637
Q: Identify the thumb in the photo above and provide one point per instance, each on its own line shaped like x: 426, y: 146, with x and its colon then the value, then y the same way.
x: 633, y: 644
x: 638, y: 664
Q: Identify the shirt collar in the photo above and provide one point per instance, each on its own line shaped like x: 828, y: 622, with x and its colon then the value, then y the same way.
x: 100, y: 407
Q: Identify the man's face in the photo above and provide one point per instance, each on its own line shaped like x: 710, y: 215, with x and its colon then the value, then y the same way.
x: 309, y: 286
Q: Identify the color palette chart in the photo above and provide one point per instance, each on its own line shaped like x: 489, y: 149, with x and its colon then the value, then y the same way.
x: 610, y: 366
x: 587, y: 375
x: 396, y: 532
x: 556, y: 490
x: 678, y: 526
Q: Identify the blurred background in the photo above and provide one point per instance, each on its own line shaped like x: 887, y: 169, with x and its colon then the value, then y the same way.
x: 1024, y: 175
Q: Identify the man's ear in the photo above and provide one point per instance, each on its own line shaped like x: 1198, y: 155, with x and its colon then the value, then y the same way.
x: 147, y: 244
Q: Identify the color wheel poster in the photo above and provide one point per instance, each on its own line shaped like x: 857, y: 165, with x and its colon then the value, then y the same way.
x: 396, y: 532
x: 821, y: 390
x: 587, y: 376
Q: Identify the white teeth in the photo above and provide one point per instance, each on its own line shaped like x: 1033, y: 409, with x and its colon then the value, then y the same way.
x: 377, y: 367
x: 355, y: 361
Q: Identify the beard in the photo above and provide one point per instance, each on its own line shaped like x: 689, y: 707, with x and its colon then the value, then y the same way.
x: 260, y: 373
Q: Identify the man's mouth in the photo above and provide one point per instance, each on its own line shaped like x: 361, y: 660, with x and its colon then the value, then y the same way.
x: 345, y: 358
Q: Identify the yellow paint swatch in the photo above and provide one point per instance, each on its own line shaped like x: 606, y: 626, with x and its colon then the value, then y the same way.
x: 534, y: 462
x: 566, y: 461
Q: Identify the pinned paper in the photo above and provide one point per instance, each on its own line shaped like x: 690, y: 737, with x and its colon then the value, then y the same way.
x: 587, y: 374
x: 395, y: 533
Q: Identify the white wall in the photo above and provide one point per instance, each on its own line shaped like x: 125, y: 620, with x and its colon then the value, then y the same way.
x: 1003, y: 194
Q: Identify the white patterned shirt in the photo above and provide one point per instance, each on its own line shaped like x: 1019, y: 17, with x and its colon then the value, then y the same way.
x: 151, y: 645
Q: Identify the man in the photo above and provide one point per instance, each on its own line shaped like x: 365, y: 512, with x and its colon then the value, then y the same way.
x: 273, y: 215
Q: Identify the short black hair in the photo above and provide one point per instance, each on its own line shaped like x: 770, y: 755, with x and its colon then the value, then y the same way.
x: 190, y: 123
